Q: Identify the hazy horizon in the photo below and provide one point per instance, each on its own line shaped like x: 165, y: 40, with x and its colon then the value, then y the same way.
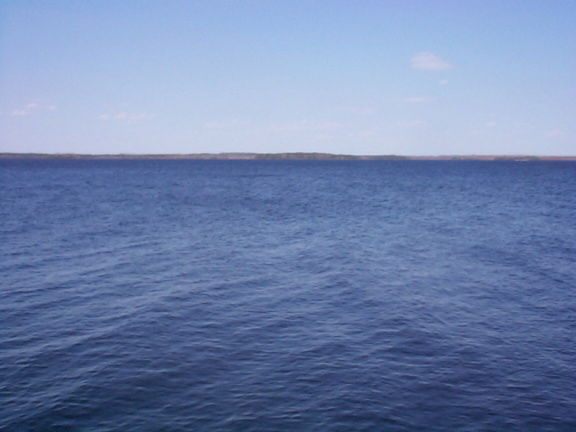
x: 410, y: 78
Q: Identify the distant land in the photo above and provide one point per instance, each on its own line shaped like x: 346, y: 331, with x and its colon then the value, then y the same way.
x: 279, y: 156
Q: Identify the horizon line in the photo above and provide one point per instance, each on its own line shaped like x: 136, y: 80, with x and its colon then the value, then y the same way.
x: 278, y: 156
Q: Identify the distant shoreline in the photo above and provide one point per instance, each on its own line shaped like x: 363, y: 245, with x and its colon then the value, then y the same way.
x: 280, y: 156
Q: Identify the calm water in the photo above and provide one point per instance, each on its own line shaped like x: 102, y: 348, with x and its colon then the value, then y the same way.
x: 287, y: 296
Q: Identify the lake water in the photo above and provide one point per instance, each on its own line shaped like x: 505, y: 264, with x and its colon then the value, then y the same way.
x: 287, y: 295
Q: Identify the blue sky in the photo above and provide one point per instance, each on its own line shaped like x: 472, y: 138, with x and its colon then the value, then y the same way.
x: 407, y: 77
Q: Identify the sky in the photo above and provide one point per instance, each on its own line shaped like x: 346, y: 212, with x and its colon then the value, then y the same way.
x: 403, y: 77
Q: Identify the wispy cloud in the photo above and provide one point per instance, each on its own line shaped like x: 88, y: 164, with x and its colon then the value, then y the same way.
x: 31, y: 108
x: 429, y: 61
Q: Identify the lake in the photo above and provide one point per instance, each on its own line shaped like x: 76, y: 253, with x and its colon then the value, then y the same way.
x: 179, y: 295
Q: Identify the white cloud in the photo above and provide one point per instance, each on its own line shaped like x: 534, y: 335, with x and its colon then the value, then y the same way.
x: 31, y: 108
x: 429, y: 61
x: 443, y: 82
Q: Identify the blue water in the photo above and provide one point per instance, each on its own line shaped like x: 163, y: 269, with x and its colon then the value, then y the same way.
x: 287, y: 296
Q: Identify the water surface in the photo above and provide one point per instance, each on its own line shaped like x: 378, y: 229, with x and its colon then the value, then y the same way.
x: 287, y: 295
